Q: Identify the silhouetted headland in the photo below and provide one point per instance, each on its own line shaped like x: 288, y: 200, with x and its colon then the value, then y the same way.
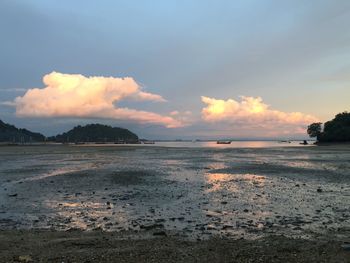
x: 334, y: 131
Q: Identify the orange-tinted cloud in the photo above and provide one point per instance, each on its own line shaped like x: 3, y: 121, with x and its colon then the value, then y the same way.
x: 252, y: 112
x: 73, y: 95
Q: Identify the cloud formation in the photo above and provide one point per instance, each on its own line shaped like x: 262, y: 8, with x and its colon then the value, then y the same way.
x: 74, y: 95
x: 252, y: 112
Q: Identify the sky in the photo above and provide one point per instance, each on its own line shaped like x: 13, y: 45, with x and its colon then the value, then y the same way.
x: 175, y: 69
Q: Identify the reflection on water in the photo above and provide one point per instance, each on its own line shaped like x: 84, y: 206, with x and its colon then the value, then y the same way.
x: 88, y: 215
x: 233, y: 182
x: 210, y: 144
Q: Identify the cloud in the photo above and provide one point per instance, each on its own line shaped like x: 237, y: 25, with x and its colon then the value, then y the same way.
x: 74, y: 95
x: 251, y: 113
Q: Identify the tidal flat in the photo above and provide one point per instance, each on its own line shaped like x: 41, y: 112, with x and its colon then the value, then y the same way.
x: 180, y: 195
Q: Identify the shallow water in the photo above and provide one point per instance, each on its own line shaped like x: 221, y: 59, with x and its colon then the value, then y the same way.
x: 190, y: 191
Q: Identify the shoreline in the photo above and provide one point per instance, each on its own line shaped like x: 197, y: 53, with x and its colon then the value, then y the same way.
x: 99, y: 246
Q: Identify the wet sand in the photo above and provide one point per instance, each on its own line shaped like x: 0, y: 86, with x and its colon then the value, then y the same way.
x: 223, y: 203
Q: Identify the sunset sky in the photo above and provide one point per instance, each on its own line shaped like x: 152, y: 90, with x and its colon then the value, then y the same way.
x: 175, y: 69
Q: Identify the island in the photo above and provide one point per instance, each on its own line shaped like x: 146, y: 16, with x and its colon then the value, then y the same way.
x: 96, y: 133
x: 11, y: 134
x: 336, y: 130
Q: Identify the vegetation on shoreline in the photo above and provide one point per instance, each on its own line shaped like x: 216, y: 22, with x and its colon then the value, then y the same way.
x: 336, y: 130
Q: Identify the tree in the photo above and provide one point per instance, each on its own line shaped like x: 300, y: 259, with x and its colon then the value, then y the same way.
x: 314, y: 129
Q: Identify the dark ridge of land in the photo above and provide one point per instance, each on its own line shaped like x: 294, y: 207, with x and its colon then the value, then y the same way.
x: 96, y: 133
x: 98, y: 246
x: 10, y: 133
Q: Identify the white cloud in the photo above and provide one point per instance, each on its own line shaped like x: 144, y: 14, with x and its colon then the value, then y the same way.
x: 252, y: 113
x: 73, y: 95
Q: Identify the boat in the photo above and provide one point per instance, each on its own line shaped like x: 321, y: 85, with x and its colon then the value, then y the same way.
x: 223, y: 142
x: 148, y: 142
x: 284, y: 141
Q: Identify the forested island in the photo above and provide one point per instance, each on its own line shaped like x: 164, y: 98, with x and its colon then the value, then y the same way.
x: 10, y: 133
x: 96, y: 133
x: 336, y: 130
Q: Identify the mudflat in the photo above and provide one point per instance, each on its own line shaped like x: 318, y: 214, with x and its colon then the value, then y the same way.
x: 199, y: 204
x: 99, y: 246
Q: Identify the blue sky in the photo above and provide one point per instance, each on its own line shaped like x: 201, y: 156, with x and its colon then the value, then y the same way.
x: 295, y: 55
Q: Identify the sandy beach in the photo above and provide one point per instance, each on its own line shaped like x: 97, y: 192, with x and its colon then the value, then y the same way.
x: 189, y: 204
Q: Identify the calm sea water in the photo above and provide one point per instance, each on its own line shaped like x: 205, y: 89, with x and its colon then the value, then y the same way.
x: 213, y: 144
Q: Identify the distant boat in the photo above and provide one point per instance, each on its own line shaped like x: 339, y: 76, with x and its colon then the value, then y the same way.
x: 223, y: 142
x: 148, y: 142
x: 284, y: 141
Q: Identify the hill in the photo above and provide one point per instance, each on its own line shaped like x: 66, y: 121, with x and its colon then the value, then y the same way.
x: 96, y: 133
x: 10, y: 133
